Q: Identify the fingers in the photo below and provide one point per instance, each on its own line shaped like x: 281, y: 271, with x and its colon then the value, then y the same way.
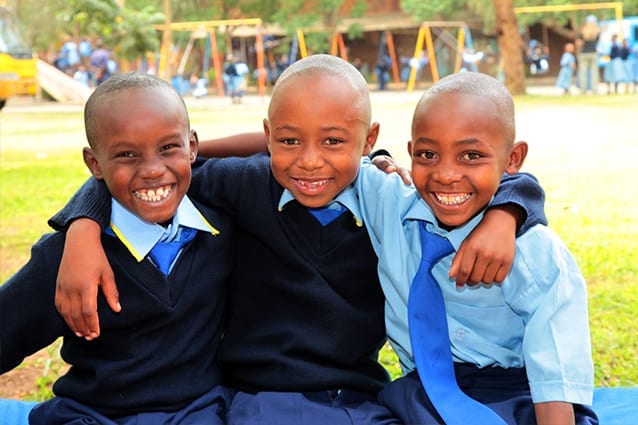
x: 406, y: 175
x: 73, y: 306
x: 465, y: 270
x: 384, y: 163
x: 63, y: 303
x: 86, y: 316
x: 110, y: 292
x: 471, y: 267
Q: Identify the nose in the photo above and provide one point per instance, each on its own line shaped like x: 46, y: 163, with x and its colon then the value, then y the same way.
x: 152, y: 168
x: 447, y: 172
x: 310, y: 157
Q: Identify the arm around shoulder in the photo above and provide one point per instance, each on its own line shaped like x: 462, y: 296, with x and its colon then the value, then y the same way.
x: 241, y: 144
x: 523, y: 192
x: 92, y: 201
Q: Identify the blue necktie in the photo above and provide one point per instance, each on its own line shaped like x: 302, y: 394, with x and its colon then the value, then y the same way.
x: 431, y: 342
x: 327, y: 215
x: 164, y: 253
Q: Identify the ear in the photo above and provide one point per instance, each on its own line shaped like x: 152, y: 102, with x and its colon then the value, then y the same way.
x: 193, y: 146
x: 516, y: 157
x: 92, y: 163
x: 410, y: 149
x: 267, y: 132
x: 371, y: 138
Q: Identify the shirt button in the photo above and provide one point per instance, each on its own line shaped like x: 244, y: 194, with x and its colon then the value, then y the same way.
x: 460, y: 333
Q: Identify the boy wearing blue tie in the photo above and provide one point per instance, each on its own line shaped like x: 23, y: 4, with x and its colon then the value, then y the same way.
x: 155, y: 360
x: 521, y: 347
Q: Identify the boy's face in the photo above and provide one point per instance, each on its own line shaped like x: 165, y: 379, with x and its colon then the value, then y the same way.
x: 459, y: 154
x: 143, y: 151
x: 317, y: 132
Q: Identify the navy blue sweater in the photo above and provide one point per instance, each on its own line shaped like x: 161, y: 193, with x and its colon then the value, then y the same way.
x: 157, y: 354
x: 306, y: 308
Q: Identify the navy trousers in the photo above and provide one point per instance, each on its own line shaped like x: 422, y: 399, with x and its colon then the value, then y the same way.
x: 505, y: 391
x: 335, y: 407
x: 208, y: 409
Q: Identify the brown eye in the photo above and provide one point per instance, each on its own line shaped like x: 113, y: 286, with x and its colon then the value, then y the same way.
x: 472, y: 156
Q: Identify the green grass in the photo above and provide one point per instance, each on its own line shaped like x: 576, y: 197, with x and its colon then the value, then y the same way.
x: 584, y: 158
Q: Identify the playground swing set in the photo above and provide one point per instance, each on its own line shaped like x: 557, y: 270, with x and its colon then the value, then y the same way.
x: 207, y: 30
x: 432, y: 38
x: 442, y: 30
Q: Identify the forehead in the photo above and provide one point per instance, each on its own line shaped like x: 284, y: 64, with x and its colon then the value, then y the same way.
x: 458, y: 115
x: 457, y: 106
x: 140, y: 109
x: 141, y: 97
x: 316, y: 93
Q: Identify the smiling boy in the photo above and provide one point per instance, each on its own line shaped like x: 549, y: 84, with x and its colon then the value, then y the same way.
x: 521, y: 347
x: 154, y: 362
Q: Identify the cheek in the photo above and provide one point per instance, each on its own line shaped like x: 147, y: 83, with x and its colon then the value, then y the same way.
x: 276, y: 163
x: 419, y: 176
x: 117, y: 174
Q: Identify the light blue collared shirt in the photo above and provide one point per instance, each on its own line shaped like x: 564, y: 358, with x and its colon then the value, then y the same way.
x: 537, y: 318
x: 347, y: 198
x: 140, y: 236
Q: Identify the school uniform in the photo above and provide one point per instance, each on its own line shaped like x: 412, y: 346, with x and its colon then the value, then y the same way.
x: 525, y: 340
x: 615, y: 70
x: 567, y: 65
x: 305, y: 322
x: 154, y: 361
x: 306, y: 309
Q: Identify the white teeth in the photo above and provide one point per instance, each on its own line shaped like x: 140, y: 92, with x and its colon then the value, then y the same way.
x: 312, y: 184
x: 154, y: 195
x: 452, y: 199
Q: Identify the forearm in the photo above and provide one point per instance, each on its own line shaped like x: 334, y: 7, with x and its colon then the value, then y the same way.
x: 92, y: 201
x: 242, y: 144
x: 521, y: 196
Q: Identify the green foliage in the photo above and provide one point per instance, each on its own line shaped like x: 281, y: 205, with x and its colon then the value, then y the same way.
x: 434, y: 10
x: 134, y: 33
x: 88, y: 16
x: 53, y: 366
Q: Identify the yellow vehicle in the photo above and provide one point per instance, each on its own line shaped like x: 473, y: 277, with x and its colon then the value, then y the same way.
x: 18, y: 73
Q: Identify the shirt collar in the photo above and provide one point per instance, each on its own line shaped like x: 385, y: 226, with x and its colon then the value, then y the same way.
x: 347, y: 198
x: 140, y: 236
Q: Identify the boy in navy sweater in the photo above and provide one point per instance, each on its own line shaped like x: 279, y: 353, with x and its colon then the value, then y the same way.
x: 154, y: 362
x: 306, y: 312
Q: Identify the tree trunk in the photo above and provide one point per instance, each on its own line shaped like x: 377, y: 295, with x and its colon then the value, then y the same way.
x: 510, y: 45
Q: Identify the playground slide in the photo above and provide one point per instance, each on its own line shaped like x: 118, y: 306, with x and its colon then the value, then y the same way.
x: 59, y: 85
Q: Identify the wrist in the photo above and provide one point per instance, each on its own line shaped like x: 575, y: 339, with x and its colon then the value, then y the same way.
x: 506, y: 213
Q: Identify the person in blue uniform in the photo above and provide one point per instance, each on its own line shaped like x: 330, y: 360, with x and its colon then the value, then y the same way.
x: 154, y: 362
x: 306, y: 311
x: 521, y: 347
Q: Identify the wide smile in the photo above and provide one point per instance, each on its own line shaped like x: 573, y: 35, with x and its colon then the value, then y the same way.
x: 311, y: 186
x: 156, y: 194
x: 451, y: 199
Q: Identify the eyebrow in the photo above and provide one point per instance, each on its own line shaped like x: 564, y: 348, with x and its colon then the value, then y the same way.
x: 468, y: 141
x: 324, y: 129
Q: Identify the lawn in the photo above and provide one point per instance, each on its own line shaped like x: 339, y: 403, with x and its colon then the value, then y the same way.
x: 582, y: 149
